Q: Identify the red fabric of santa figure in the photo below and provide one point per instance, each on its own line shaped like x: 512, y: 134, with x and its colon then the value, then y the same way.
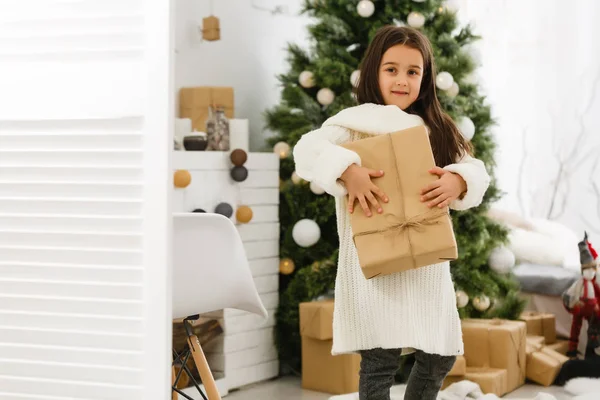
x: 582, y: 299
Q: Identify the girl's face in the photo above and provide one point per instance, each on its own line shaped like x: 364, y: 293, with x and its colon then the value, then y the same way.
x: 400, y: 75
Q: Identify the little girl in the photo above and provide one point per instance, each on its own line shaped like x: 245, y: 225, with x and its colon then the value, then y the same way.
x: 412, y: 311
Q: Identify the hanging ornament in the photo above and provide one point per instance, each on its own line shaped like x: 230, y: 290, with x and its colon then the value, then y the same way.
x: 286, y: 266
x: 474, y: 52
x: 224, y: 209
x: 444, y: 80
x: 283, y: 149
x: 211, y: 29
x: 182, y: 178
x: 296, y: 178
x: 416, y: 19
x: 306, y: 79
x: 481, y: 303
x: 365, y: 8
x: 462, y: 299
x: 316, y: 189
x: 501, y: 260
x: 472, y: 78
x: 239, y: 174
x: 244, y: 214
x: 352, y: 47
x: 325, y: 96
x: 354, y: 78
x: 238, y: 157
x: 466, y: 127
x: 398, y: 23
x: 306, y: 233
x: 454, y: 90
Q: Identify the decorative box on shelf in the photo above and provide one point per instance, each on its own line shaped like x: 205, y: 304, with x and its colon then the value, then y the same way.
x: 245, y: 353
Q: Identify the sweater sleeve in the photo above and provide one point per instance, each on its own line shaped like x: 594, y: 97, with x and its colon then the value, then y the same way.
x: 321, y: 160
x: 477, y: 178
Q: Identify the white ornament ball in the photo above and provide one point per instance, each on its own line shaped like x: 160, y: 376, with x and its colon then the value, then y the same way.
x: 481, y: 303
x: 355, y: 77
x: 466, y: 127
x: 472, y: 78
x: 316, y: 189
x: 502, y: 260
x: 306, y: 79
x: 306, y: 233
x: 462, y: 299
x: 444, y: 80
x: 416, y: 19
x: 398, y: 23
x: 325, y: 96
x: 296, y: 178
x: 365, y: 8
x: 282, y: 149
x: 454, y: 90
x: 473, y: 51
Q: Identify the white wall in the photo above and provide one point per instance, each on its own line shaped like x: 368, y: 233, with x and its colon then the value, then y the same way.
x: 539, y: 64
x: 249, y: 56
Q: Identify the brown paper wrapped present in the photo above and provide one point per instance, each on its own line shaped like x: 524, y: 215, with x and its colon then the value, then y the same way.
x: 459, y: 368
x: 490, y: 380
x: 561, y: 346
x: 322, y: 371
x: 544, y: 366
x: 194, y: 103
x: 497, y: 344
x: 534, y: 343
x: 407, y: 234
x: 540, y: 324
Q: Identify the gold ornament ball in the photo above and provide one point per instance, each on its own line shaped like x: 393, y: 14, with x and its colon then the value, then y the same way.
x: 244, y: 214
x: 462, y: 299
x: 296, y: 179
x: 182, y: 178
x: 282, y: 149
x: 481, y: 303
x: 286, y: 266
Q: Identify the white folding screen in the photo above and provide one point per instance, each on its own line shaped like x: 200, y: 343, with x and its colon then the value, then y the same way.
x: 85, y: 111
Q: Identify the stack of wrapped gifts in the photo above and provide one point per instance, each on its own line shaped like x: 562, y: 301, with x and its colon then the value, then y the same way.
x: 545, y: 354
x: 500, y: 355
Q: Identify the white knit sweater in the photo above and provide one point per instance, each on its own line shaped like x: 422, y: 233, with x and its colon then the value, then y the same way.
x: 411, y: 310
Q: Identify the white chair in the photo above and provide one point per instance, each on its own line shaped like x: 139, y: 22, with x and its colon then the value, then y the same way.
x: 210, y: 273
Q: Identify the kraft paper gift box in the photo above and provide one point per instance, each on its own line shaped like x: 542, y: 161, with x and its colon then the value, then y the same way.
x: 499, y: 344
x: 534, y: 343
x: 194, y: 103
x: 459, y: 368
x: 543, y: 366
x: 490, y: 380
x: 540, y: 324
x: 561, y: 346
x: 408, y: 234
x: 321, y: 371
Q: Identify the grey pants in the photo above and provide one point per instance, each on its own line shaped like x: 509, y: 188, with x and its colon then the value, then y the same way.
x: 378, y: 368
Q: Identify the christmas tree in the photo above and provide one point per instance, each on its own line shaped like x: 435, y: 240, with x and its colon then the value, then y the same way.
x: 319, y: 84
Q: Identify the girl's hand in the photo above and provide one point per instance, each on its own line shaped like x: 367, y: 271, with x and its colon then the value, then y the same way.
x: 448, y: 188
x: 358, y: 183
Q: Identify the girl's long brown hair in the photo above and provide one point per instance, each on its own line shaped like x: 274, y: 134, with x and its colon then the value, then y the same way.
x: 447, y: 143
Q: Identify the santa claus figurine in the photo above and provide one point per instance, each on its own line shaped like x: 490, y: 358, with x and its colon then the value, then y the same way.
x: 582, y: 299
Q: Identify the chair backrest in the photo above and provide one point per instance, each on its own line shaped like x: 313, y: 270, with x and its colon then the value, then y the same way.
x: 210, y: 268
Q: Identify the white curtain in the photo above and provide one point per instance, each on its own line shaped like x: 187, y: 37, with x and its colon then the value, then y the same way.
x: 541, y: 74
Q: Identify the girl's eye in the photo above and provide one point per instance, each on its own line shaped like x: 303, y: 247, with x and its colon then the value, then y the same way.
x: 412, y: 72
x: 391, y: 69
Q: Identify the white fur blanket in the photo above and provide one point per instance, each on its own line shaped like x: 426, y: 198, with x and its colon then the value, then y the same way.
x: 463, y: 390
